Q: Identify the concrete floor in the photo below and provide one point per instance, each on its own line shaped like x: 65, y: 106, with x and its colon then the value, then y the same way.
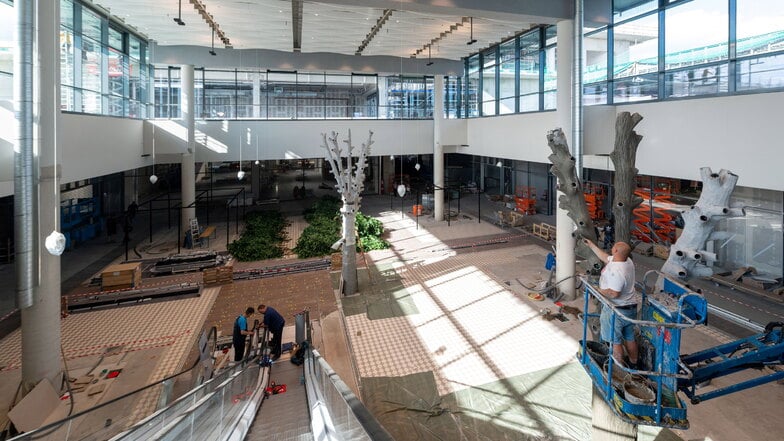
x: 440, y: 305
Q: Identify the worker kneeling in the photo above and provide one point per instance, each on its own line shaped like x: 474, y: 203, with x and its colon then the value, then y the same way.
x: 616, y: 283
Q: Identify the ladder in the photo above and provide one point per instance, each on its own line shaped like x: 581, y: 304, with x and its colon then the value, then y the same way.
x: 195, y: 233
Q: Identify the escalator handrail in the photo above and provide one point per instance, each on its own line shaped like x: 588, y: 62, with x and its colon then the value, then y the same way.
x: 213, y: 331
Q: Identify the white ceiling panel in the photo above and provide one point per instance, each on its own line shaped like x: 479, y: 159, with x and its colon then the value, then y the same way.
x: 326, y: 27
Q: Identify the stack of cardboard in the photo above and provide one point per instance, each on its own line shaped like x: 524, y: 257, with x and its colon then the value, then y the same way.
x: 122, y: 276
x: 218, y: 275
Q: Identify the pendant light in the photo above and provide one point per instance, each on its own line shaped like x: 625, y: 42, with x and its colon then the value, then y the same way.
x: 178, y: 20
x: 472, y: 40
x: 153, y: 178
x: 240, y: 174
x: 257, y: 150
x: 55, y: 241
x: 429, y: 61
x: 212, y: 51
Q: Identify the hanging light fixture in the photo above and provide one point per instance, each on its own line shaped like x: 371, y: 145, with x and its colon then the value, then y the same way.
x: 472, y: 40
x: 55, y: 241
x: 429, y: 61
x: 257, y: 150
x: 499, y: 164
x: 178, y: 20
x: 240, y: 174
x: 417, y: 166
x: 153, y: 178
x: 212, y: 51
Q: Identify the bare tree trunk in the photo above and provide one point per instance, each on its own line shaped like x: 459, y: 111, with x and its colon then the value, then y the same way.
x: 349, y: 187
x: 624, y: 156
x: 687, y: 255
x: 573, y: 199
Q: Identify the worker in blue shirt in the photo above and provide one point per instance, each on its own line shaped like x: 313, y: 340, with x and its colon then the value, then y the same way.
x: 240, y: 331
x: 275, y: 323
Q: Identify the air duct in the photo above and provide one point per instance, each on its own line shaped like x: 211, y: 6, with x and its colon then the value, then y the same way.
x: 25, y: 166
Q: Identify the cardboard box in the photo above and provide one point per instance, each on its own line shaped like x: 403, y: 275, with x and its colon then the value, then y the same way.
x: 122, y: 276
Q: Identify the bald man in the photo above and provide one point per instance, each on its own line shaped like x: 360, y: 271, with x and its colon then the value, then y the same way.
x: 617, y: 285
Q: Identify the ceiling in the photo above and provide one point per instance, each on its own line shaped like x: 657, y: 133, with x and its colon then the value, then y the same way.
x: 328, y: 26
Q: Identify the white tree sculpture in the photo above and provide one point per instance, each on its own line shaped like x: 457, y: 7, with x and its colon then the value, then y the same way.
x: 688, y: 257
x: 350, y: 187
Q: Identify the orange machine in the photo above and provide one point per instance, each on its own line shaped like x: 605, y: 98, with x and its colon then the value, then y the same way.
x: 663, y: 225
x: 594, y: 199
x: 525, y: 199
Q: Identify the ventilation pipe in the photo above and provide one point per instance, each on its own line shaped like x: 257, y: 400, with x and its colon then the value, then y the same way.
x: 25, y: 166
x: 577, y: 90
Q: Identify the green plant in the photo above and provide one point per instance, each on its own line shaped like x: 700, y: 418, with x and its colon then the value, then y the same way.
x: 263, y: 237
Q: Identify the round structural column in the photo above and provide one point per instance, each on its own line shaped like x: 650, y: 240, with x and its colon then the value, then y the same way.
x: 564, y: 241
x: 188, y: 164
x: 41, y: 321
x: 438, y: 148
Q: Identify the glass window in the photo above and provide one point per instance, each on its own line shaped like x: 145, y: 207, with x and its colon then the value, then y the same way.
x: 696, y: 32
x: 529, y: 71
x: 91, y: 102
x: 595, y: 64
x: 452, y: 103
x: 134, y: 47
x: 507, y: 75
x: 760, y: 73
x: 117, y: 75
x: 91, y: 24
x: 550, y: 77
x: 310, y: 95
x: 66, y: 13
x: 472, y: 87
x: 488, y: 82
x: 703, y: 80
x: 91, y: 65
x: 760, y: 26
x: 636, y: 49
x: 245, y: 94
x: 219, y: 94
x: 637, y: 88
x: 626, y: 9
x: 364, y: 96
x: 116, y: 39
x: 337, y: 97
x: 282, y: 95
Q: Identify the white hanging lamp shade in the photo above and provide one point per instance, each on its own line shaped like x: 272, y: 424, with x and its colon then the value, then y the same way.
x: 55, y: 243
x: 417, y: 166
x: 401, y: 190
x: 256, y: 162
x: 499, y: 164
x: 240, y: 175
x: 153, y: 179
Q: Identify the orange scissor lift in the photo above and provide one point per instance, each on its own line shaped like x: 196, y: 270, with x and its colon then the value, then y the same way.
x: 525, y: 199
x: 662, y: 221
x: 594, y: 199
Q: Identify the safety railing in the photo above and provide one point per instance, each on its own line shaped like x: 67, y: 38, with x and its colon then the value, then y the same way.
x: 335, y: 412
x: 114, y: 416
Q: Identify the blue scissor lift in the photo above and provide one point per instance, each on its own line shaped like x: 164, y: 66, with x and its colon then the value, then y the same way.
x: 650, y: 395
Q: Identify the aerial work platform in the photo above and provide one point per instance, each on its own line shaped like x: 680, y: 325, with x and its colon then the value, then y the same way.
x: 649, y: 395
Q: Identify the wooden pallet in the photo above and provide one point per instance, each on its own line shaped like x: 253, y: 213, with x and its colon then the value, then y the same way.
x: 218, y: 275
x: 544, y: 231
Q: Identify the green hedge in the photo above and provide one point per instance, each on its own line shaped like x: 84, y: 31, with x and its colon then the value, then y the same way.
x: 263, y: 237
x: 324, y: 230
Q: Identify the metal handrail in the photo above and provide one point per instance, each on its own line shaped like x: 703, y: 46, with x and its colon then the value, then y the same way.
x: 57, y: 424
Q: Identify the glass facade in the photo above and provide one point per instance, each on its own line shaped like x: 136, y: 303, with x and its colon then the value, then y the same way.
x: 103, y: 66
x: 247, y: 94
x: 652, y: 50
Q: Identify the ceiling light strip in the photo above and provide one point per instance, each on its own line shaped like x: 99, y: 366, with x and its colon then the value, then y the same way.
x: 369, y: 37
x: 296, y: 21
x: 202, y: 10
x: 441, y: 36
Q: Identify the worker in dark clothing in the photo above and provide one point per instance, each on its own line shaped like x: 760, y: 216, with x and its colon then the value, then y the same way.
x: 275, y: 323
x: 240, y: 331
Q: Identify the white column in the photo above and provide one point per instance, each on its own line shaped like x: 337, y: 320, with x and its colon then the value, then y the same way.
x: 41, y: 322
x: 564, y: 241
x: 256, y: 95
x: 188, y: 165
x: 438, y: 149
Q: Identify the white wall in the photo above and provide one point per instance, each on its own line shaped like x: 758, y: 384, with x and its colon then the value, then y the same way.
x: 98, y: 145
x: 219, y: 140
x: 739, y: 133
x: 521, y: 137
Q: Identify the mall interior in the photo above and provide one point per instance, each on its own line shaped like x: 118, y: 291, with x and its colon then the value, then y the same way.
x: 137, y: 133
